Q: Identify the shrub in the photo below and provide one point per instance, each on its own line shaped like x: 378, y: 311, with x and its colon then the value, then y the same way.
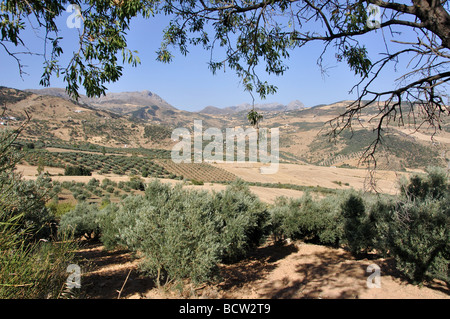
x: 110, y: 229
x: 415, y: 229
x: 278, y: 213
x: 59, y: 209
x: 186, y: 233
x: 357, y: 225
x: 106, y: 182
x: 110, y: 189
x: 136, y: 183
x: 195, y: 182
x: 419, y: 240
x: 27, y: 200
x: 243, y: 220
x: 93, y: 182
x: 434, y: 184
x: 305, y: 219
x: 77, y: 171
x: 82, y: 221
x: 176, y: 243
x: 29, y: 268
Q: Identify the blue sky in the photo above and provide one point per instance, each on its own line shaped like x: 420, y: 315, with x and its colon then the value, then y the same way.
x: 188, y: 84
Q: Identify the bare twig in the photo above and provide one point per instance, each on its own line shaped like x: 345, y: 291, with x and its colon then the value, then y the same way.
x: 121, y: 289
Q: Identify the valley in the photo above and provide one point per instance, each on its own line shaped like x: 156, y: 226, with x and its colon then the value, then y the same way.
x: 60, y: 131
x: 102, y: 151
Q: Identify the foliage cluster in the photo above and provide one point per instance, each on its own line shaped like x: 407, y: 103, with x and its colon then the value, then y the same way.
x: 413, y: 228
x: 32, y: 263
x: 181, y: 233
x: 77, y: 171
x: 157, y: 133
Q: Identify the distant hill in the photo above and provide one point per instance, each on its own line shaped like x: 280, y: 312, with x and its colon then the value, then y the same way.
x: 214, y: 110
x: 58, y: 92
x: 120, y: 103
x: 115, y: 120
x: 268, y: 107
x: 143, y: 119
x: 126, y: 102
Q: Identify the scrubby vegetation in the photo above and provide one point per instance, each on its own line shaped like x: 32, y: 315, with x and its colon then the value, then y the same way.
x: 411, y: 153
x: 198, y: 171
x: 413, y: 228
x: 185, y: 234
x: 182, y: 233
x: 77, y: 171
x: 157, y: 133
x: 33, y: 263
x: 80, y: 164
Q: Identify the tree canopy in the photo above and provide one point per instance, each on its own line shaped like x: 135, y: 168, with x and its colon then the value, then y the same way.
x: 251, y: 35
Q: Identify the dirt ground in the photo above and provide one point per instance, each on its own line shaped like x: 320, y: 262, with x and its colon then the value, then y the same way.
x: 311, y: 175
x: 266, y: 194
x: 291, y: 271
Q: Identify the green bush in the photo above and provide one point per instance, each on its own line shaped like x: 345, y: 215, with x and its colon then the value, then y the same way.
x: 176, y: 242
x: 29, y: 267
x: 418, y: 239
x: 415, y: 228
x: 136, y: 183
x: 59, y: 209
x: 82, y: 221
x: 186, y: 233
x: 77, y: 171
x: 278, y: 213
x: 109, y: 226
x: 306, y: 219
x: 94, y: 183
x: 358, y: 231
x: 26, y: 199
x: 434, y: 184
x: 110, y: 189
x: 242, y: 220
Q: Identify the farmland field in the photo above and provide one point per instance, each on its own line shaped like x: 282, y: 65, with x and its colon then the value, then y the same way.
x: 198, y: 171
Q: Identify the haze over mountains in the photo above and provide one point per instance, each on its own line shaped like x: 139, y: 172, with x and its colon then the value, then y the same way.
x: 267, y: 107
x: 126, y: 102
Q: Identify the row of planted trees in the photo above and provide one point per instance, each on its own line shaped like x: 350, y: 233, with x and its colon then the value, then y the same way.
x: 186, y: 234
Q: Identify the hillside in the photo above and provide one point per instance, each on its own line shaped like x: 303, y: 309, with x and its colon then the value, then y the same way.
x: 120, y: 103
x: 55, y: 119
x: 123, y: 120
x: 245, y: 107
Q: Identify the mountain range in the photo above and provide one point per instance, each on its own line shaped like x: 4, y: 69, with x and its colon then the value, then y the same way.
x: 267, y: 107
x: 128, y: 102
x: 145, y: 120
x: 121, y: 103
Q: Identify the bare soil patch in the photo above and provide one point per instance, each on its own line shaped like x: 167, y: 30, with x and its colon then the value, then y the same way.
x: 311, y: 175
x: 291, y: 271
